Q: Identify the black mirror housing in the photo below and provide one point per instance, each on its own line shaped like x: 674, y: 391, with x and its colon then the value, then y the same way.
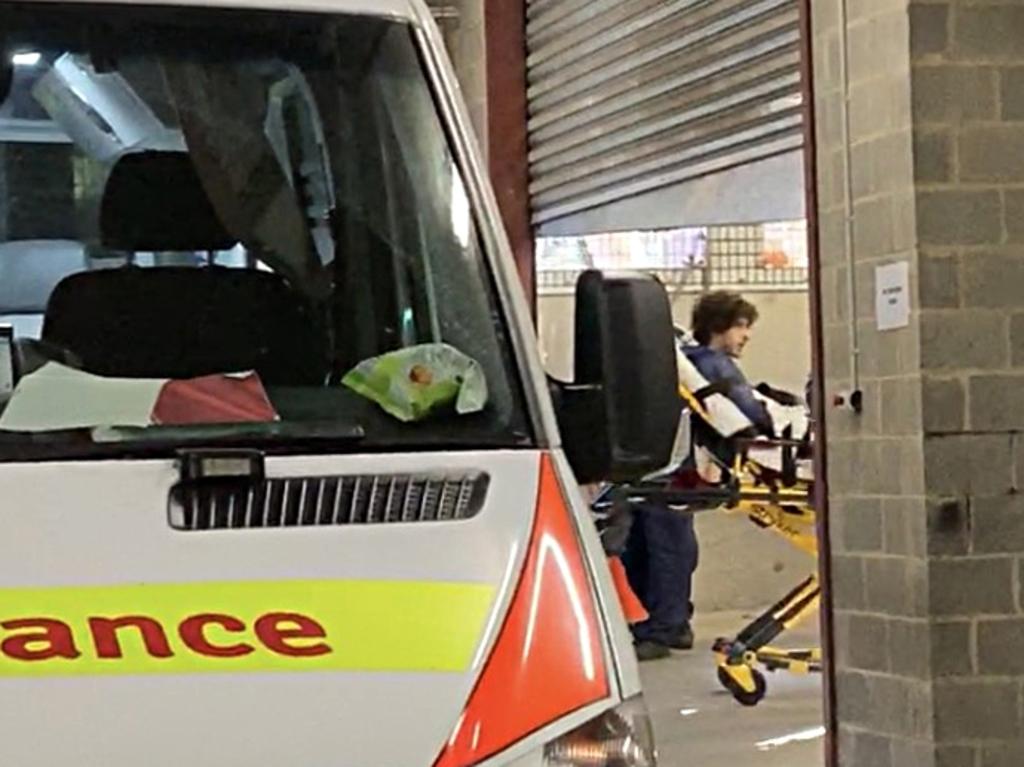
x: 6, y: 76
x: 620, y: 415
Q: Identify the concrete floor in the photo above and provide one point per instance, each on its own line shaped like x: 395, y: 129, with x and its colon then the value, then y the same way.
x: 698, y: 724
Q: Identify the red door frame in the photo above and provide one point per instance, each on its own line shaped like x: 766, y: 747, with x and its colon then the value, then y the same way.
x: 507, y: 137
x: 818, y: 383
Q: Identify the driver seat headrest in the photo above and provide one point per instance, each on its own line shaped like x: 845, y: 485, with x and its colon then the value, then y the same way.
x: 182, y: 322
x: 155, y: 201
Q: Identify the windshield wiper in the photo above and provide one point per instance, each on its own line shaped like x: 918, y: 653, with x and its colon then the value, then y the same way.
x: 121, y: 442
x: 270, y: 434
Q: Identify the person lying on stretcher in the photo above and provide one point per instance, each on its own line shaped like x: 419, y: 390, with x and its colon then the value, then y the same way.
x: 658, y: 547
x: 732, y: 409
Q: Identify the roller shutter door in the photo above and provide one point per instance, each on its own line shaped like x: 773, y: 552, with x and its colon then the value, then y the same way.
x: 628, y: 98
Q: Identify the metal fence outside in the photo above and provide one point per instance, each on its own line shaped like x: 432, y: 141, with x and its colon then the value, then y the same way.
x: 760, y: 257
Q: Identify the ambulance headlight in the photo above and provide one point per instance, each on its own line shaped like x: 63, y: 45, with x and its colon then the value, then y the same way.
x: 621, y: 737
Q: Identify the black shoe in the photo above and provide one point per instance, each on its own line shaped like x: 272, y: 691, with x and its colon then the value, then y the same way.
x: 683, y: 641
x: 648, y: 650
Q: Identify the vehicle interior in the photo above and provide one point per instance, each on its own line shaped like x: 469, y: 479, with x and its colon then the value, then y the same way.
x: 287, y: 205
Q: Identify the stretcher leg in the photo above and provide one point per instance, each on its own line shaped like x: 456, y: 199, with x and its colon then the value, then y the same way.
x: 779, y: 502
x: 739, y: 658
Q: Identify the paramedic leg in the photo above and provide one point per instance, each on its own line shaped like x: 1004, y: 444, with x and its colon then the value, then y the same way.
x: 666, y: 569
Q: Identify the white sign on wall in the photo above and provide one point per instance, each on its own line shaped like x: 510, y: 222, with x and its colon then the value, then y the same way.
x: 892, y: 295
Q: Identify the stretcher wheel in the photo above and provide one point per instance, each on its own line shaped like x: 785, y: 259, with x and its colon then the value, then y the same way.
x: 744, y: 697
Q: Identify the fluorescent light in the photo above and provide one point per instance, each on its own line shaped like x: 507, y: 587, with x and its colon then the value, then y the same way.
x: 796, y: 737
x: 27, y: 59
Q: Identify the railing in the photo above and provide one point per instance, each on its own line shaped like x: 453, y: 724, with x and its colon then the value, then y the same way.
x: 770, y: 257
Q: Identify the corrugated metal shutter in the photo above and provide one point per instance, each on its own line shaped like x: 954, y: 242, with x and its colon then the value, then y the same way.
x: 631, y: 96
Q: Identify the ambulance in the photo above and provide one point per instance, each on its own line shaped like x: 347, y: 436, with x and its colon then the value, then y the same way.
x: 282, y: 480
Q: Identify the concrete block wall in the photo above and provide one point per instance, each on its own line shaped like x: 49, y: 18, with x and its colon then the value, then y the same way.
x: 927, y: 522
x: 968, y: 84
x: 876, y: 472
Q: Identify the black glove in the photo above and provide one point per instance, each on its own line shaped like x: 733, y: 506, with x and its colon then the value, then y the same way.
x: 784, y: 398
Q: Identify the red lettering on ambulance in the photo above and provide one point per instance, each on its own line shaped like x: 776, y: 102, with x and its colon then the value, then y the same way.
x: 278, y: 636
x: 289, y: 634
x: 193, y: 634
x: 105, y: 639
x: 55, y: 636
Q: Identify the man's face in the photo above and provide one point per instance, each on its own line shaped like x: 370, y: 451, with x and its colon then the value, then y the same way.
x: 734, y: 340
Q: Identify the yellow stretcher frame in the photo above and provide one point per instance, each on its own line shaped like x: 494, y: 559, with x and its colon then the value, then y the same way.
x: 787, y: 512
x: 783, y: 505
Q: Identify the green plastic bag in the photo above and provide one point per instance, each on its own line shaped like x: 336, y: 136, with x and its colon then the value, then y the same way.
x: 413, y: 383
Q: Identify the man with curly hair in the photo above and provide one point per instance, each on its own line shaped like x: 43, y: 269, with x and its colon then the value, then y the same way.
x: 662, y: 552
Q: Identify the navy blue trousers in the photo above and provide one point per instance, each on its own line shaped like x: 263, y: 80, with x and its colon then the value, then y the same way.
x: 660, y: 559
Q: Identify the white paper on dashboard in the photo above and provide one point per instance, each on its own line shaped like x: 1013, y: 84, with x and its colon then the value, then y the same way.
x: 58, y: 397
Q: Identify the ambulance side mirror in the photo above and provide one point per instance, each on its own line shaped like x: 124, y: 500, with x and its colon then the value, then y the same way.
x: 6, y: 76
x: 619, y: 416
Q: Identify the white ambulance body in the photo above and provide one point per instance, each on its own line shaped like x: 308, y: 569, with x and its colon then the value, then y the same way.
x: 213, y: 551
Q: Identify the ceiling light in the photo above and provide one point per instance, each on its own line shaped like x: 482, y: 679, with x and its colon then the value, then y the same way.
x: 27, y: 59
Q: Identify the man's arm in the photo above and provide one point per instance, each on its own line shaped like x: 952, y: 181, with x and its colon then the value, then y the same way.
x: 742, y: 394
x: 784, y: 398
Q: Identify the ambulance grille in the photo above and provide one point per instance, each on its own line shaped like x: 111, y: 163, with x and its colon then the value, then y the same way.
x: 237, y: 503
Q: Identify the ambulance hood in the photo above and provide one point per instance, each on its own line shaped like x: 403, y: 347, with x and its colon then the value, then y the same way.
x: 128, y: 638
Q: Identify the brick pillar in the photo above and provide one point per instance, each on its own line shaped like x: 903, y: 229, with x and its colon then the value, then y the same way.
x: 927, y: 524
x: 968, y: 84
x: 876, y: 475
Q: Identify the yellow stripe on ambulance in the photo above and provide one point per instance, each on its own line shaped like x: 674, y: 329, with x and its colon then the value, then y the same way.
x: 241, y: 627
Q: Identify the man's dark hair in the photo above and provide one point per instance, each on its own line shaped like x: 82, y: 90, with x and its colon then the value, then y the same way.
x: 717, y: 312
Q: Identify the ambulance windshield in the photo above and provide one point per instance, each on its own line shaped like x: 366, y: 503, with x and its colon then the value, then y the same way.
x: 225, y: 219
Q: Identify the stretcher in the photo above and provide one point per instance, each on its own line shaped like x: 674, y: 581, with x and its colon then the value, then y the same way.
x: 770, y: 484
x: 782, y: 505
